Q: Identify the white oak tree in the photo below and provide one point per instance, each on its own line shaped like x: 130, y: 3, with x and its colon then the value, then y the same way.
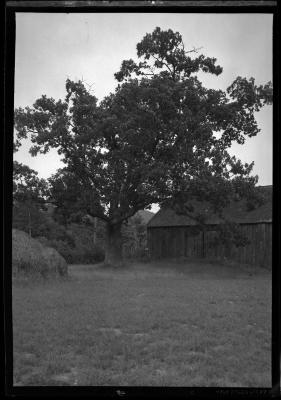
x: 160, y: 137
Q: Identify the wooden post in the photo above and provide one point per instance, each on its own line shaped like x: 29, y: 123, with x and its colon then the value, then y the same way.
x: 29, y: 223
x: 95, y: 230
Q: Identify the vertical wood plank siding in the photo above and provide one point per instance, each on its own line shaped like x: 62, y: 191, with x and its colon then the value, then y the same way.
x: 188, y: 241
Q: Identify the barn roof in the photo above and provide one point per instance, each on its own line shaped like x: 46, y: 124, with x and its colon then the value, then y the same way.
x: 236, y: 212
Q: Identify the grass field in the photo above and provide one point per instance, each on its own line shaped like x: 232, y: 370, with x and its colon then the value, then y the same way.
x: 161, y: 324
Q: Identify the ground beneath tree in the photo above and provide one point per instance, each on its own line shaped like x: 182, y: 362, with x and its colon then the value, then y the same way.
x: 161, y: 324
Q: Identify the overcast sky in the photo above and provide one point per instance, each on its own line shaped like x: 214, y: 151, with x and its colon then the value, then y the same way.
x: 51, y: 47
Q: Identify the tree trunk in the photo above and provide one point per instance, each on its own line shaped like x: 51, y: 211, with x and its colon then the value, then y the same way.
x: 113, y: 247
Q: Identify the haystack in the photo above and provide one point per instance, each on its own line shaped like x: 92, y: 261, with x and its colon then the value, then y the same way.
x: 53, y: 258
x: 31, y: 257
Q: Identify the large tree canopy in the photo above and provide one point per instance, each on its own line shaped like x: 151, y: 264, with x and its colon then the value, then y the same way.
x: 159, y: 137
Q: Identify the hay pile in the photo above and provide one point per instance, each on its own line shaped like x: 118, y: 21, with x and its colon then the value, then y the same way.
x: 30, y: 257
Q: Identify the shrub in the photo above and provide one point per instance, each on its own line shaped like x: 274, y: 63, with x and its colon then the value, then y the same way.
x: 85, y: 250
x: 84, y: 255
x: 94, y: 255
x: 87, y: 254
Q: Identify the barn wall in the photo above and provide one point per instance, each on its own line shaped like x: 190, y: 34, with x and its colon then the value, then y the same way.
x: 187, y: 241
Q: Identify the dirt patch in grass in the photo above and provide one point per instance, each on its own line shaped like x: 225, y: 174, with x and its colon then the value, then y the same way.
x: 171, y: 324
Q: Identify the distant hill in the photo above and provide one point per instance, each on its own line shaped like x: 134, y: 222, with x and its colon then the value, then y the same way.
x: 145, y: 215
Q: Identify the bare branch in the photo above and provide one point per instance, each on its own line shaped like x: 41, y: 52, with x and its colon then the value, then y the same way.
x: 194, y: 50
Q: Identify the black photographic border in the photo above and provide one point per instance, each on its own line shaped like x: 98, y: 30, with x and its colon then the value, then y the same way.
x: 13, y: 7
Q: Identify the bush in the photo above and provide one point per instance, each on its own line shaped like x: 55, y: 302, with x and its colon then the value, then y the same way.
x: 94, y: 255
x: 84, y: 250
x: 63, y: 248
x: 86, y: 255
x: 75, y: 255
x: 31, y: 257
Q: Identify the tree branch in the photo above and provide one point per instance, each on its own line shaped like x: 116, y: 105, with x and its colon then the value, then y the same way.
x: 194, y: 50
x: 157, y: 59
x: 98, y: 215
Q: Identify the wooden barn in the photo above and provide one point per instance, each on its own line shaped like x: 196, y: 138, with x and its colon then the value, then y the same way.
x: 172, y: 235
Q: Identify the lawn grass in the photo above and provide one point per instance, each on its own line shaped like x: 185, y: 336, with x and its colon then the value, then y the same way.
x: 160, y: 324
